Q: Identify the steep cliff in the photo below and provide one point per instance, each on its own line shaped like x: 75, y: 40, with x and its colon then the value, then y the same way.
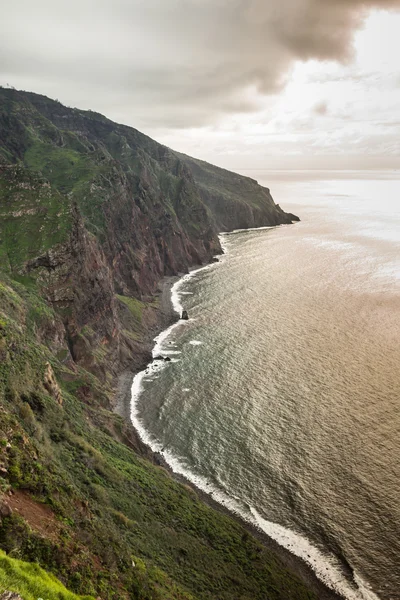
x: 235, y: 201
x: 92, y: 216
x: 93, y: 211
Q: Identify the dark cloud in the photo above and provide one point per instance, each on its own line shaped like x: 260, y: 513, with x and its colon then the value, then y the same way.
x: 181, y: 63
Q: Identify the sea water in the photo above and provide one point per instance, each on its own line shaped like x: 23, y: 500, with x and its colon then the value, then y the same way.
x: 282, y: 395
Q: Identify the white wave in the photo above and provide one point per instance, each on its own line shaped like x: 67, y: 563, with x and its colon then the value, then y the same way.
x: 223, y: 242
x: 366, y: 591
x: 175, y: 293
x: 252, y: 229
x: 195, y: 342
x: 157, y: 350
x: 326, y: 567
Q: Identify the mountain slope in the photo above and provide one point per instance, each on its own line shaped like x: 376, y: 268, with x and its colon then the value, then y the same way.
x: 92, y: 216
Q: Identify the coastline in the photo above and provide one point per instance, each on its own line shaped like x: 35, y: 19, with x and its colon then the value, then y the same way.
x: 168, y: 317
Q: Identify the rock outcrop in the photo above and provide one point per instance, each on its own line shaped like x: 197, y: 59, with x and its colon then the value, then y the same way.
x: 51, y: 385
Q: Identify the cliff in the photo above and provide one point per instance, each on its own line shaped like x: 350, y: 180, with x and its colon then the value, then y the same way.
x: 92, y: 216
x: 92, y: 211
x: 235, y: 201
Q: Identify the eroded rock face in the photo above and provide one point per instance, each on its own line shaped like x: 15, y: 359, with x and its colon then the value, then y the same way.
x: 10, y: 596
x: 77, y: 281
x: 235, y: 201
x: 51, y: 385
x: 5, y: 510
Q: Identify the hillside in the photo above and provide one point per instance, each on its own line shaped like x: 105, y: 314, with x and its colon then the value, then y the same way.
x: 92, y: 216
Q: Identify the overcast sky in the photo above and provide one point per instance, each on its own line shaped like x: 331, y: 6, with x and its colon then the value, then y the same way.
x: 242, y: 83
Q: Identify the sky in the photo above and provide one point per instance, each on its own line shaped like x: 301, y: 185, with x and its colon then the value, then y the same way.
x: 246, y: 84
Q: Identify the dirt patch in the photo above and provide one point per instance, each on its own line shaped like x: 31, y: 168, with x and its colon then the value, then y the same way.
x: 39, y: 516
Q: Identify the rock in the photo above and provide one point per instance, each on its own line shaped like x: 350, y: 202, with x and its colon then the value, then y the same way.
x: 10, y: 596
x: 51, y: 385
x: 185, y: 315
x: 167, y: 359
x: 5, y: 510
x: 158, y: 358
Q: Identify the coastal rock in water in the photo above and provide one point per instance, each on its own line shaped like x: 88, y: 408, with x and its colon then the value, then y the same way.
x: 185, y: 315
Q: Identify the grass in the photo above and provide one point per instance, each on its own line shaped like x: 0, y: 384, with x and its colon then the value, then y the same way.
x: 135, y: 306
x: 32, y: 582
x: 64, y: 167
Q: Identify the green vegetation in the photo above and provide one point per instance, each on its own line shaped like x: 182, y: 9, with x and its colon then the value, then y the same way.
x: 64, y: 167
x: 34, y: 217
x: 135, y: 306
x: 32, y: 582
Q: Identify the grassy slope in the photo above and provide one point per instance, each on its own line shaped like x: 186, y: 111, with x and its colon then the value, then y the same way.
x: 31, y: 582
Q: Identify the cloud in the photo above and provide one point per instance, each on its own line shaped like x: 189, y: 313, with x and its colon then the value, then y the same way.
x: 321, y: 108
x: 181, y: 63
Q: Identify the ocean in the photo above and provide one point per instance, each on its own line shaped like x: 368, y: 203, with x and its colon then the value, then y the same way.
x: 282, y: 395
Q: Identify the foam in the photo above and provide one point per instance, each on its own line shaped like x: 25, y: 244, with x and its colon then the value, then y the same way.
x: 326, y: 567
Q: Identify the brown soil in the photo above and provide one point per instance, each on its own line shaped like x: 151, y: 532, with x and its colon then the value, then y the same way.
x: 39, y: 516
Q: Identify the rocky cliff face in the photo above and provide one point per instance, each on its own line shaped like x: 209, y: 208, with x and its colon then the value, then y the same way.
x: 235, y: 201
x: 92, y: 212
